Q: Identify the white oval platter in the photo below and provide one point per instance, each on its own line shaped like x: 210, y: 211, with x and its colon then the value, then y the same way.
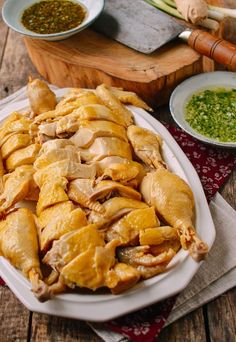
x: 99, y: 307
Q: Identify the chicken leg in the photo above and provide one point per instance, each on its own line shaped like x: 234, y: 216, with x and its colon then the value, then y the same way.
x: 174, y: 202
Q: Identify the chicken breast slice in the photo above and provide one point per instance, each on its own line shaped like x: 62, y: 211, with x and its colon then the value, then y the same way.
x: 104, y: 147
x: 90, y: 130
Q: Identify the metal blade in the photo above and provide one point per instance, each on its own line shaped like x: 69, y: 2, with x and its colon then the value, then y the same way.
x: 137, y: 24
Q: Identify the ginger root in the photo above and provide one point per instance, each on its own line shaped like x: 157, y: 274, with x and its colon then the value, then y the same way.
x: 192, y: 10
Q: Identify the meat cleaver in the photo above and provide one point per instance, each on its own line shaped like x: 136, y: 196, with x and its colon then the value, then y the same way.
x: 144, y: 28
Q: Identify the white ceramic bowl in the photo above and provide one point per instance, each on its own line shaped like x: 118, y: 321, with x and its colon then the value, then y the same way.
x: 12, y: 12
x: 194, y: 84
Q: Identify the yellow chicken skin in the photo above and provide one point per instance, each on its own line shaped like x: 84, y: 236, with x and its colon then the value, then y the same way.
x: 92, y: 269
x: 174, y: 202
x: 41, y: 98
x: 55, y: 155
x: 65, y: 168
x: 24, y: 156
x: 146, y: 145
x: 63, y: 224
x: 106, y: 96
x: 15, y: 142
x: 70, y: 245
x: 16, y: 186
x: 52, y: 191
x: 19, y: 244
x: 90, y: 112
x: 21, y: 125
x: 129, y: 97
x: 2, y: 170
x: 81, y: 98
x: 128, y: 228
x: 50, y: 214
x: 128, y: 276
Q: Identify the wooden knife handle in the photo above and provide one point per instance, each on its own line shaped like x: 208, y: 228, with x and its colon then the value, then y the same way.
x: 216, y: 48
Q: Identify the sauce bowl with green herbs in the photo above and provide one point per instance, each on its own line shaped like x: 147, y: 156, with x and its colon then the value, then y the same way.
x: 205, y: 107
x: 51, y: 19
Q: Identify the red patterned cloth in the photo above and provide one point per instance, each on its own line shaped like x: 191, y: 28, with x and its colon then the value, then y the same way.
x: 213, y: 166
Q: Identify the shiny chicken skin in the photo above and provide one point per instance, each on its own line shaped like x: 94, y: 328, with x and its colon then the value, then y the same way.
x: 146, y: 145
x: 174, y: 202
x: 17, y: 186
x: 41, y: 98
x: 19, y: 244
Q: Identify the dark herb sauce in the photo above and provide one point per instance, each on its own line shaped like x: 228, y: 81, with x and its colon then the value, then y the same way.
x: 53, y: 16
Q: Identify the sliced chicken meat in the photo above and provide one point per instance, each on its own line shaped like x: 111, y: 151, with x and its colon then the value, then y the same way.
x: 15, y: 142
x: 115, y: 208
x: 65, y: 168
x: 107, y: 188
x: 127, y: 228
x: 17, y: 186
x: 89, y: 130
x: 55, y: 144
x: 50, y: 214
x: 55, y: 155
x: 63, y: 224
x: 105, y: 147
x: 23, y: 156
x: 52, y: 191
x: 80, y: 191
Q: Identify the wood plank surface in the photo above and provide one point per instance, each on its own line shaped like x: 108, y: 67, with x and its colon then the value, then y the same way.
x: 214, y: 322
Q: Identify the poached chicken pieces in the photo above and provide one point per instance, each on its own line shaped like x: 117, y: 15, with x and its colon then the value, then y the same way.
x: 108, y: 212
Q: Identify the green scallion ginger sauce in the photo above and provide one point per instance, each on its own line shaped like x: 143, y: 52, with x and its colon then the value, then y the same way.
x: 53, y: 16
x: 212, y: 113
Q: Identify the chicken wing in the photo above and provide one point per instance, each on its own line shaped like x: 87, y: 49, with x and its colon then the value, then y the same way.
x: 112, y: 102
x: 146, y: 145
x: 40, y: 96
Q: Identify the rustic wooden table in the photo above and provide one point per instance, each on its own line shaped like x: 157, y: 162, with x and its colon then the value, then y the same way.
x: 212, y: 322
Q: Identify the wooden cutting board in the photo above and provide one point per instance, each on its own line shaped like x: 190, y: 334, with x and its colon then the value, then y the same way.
x: 89, y: 59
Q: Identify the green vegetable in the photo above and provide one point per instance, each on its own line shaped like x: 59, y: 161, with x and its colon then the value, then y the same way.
x: 169, y: 7
x: 212, y: 113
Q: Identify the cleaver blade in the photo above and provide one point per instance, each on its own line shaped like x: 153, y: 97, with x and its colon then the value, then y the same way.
x: 137, y: 25
x: 144, y: 28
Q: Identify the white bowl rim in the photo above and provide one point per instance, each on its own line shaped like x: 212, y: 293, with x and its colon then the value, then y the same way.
x: 32, y: 34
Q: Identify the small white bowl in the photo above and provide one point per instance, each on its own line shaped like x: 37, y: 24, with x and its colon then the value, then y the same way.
x: 183, y: 92
x: 12, y: 11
